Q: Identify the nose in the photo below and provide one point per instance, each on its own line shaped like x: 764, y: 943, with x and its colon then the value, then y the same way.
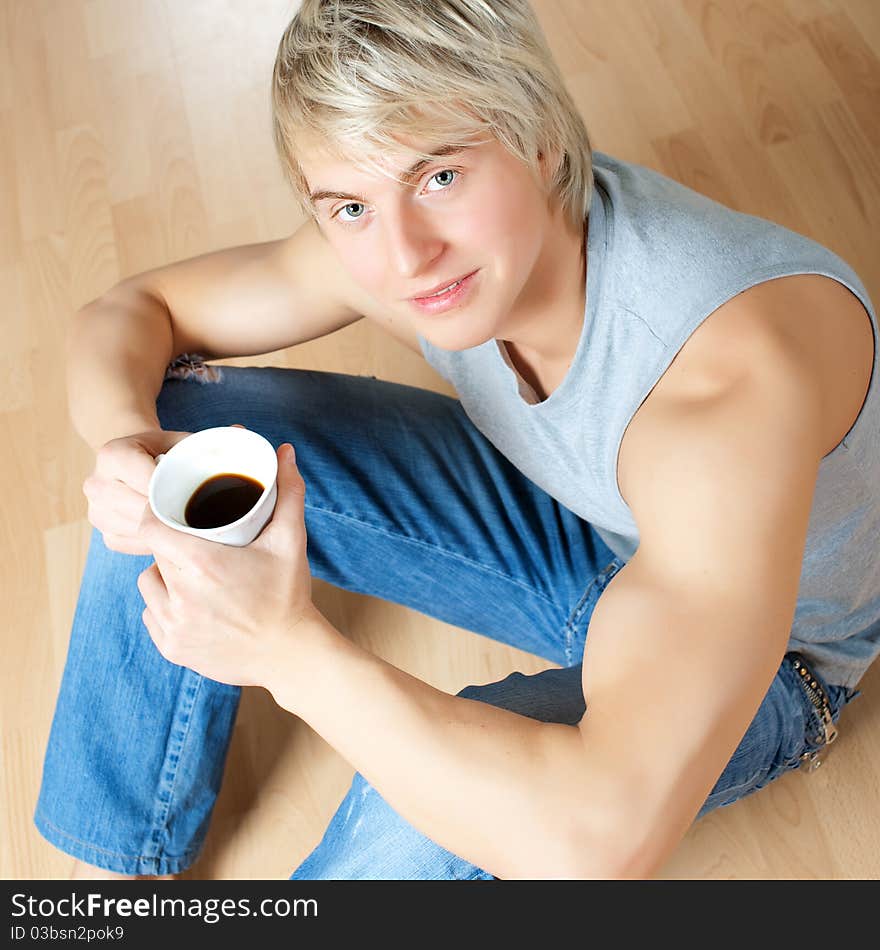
x: 413, y: 244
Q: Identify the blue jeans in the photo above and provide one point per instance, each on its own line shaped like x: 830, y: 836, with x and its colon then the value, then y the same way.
x: 407, y: 502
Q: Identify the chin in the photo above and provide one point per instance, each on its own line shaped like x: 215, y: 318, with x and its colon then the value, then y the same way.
x: 455, y: 341
x: 463, y: 330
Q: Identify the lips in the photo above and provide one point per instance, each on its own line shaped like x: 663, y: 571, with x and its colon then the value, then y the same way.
x: 447, y: 298
x: 440, y: 289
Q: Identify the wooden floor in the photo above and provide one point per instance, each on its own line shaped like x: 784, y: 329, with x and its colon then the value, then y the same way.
x: 136, y: 132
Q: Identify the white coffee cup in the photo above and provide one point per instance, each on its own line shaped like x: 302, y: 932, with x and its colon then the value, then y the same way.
x: 202, y: 455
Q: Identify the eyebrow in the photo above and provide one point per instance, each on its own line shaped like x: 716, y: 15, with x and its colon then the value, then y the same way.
x: 442, y: 152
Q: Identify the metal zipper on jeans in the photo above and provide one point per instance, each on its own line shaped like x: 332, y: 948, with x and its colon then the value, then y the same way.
x: 819, y: 700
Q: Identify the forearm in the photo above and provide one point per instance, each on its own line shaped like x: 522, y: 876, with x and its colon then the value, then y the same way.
x: 498, y: 789
x: 118, y: 349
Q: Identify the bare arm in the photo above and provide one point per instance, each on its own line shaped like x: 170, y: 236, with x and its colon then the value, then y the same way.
x: 685, y: 642
x: 681, y: 649
x: 240, y: 301
x: 117, y: 351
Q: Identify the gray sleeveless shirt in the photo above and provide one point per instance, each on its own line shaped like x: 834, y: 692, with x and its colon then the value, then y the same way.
x: 661, y: 258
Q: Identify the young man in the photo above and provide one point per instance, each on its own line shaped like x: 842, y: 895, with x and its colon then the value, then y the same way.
x: 662, y: 475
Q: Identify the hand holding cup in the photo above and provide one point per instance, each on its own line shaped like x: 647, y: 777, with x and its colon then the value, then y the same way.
x: 218, y: 484
x: 118, y: 485
x: 228, y: 610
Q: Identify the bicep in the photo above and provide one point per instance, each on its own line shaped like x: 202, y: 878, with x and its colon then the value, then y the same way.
x: 671, y: 683
x: 685, y: 641
x: 253, y: 299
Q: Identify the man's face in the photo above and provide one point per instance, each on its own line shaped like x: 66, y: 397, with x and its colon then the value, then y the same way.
x: 478, y: 214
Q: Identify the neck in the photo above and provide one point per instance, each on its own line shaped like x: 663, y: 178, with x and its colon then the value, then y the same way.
x: 546, y: 328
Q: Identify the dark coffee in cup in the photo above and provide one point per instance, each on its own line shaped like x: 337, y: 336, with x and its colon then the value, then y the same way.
x: 222, y: 499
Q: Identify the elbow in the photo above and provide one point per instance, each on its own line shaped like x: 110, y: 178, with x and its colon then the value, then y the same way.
x: 614, y: 857
x: 615, y: 842
x: 593, y: 821
x: 605, y: 851
x: 609, y: 858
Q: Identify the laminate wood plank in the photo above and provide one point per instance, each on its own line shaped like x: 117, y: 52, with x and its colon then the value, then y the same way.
x: 854, y: 65
x: 136, y: 132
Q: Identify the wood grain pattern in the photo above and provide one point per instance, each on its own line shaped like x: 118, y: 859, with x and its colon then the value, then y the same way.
x: 137, y: 132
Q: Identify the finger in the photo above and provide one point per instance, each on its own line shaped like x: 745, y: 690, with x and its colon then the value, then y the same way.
x: 172, y: 575
x: 154, y: 629
x: 123, y: 544
x: 151, y: 587
x: 111, y: 525
x: 153, y: 590
x: 138, y: 471
x: 124, y: 502
x: 131, y: 465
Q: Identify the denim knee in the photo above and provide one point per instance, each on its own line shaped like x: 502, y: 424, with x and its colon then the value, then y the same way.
x: 367, y: 840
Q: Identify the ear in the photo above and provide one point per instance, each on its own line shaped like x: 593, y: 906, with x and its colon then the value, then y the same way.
x: 549, y: 160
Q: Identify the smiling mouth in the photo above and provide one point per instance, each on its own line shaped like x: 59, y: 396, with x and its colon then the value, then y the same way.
x: 442, y: 290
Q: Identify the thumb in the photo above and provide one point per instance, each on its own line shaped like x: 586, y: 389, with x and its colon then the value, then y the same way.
x: 290, y: 504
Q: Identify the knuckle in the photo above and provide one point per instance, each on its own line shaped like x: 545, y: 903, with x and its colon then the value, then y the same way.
x: 92, y: 488
x: 111, y: 541
x: 110, y: 457
x: 170, y: 648
x: 97, y: 490
x: 99, y: 519
x: 104, y: 526
x: 104, y: 456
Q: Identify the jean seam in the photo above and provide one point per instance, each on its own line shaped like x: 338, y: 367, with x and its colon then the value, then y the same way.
x: 788, y: 764
x: 160, y: 821
x: 115, y: 854
x: 437, y: 549
x: 576, y: 614
x: 740, y: 787
x: 750, y: 783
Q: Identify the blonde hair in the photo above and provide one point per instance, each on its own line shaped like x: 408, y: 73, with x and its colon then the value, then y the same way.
x: 353, y: 74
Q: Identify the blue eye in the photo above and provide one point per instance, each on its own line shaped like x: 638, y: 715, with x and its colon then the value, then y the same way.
x: 445, y: 178
x: 446, y: 171
x: 353, y: 204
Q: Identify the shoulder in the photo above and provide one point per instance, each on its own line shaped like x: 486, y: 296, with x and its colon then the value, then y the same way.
x: 806, y: 335
x: 738, y: 408
x: 727, y: 490
x: 314, y: 268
